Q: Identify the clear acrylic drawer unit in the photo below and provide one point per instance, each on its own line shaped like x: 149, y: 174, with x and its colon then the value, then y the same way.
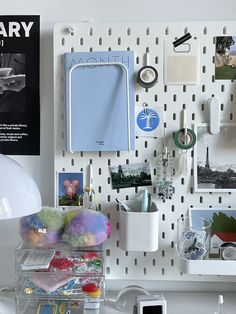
x: 59, y: 278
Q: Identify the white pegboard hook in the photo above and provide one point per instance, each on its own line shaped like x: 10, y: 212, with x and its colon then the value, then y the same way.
x: 71, y: 29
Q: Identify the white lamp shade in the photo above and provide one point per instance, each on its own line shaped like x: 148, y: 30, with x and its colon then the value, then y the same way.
x: 19, y: 194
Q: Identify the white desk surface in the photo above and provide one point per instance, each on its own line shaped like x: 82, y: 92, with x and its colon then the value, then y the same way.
x: 187, y: 303
x: 177, y: 303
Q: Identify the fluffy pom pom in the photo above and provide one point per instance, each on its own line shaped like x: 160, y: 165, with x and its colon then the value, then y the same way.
x: 43, y: 228
x: 86, y: 228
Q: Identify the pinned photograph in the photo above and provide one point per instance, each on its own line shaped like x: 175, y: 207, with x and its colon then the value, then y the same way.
x: 131, y: 175
x: 223, y: 227
x: 70, y: 189
x: 213, y: 172
x: 225, y: 58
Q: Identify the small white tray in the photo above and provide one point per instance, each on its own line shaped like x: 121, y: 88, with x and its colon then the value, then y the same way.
x: 206, y: 267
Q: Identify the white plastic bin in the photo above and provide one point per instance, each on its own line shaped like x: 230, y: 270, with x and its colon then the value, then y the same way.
x: 139, y: 230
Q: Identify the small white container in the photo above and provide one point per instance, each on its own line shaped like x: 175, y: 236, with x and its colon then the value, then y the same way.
x: 139, y: 230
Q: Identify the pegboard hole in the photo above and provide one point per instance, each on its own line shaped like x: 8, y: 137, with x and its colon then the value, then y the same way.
x: 204, y: 50
x: 205, y: 30
x: 128, y: 31
x: 224, y: 30
x: 147, y: 31
x: 137, y: 60
x: 119, y: 41
x: 91, y: 31
x: 108, y: 252
x: 63, y: 41
x: 167, y: 31
x: 138, y: 41
x: 109, y: 31
x: 100, y: 41
x: 117, y: 261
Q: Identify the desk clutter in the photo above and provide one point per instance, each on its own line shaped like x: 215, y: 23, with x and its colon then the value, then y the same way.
x: 59, y: 278
x: 60, y: 263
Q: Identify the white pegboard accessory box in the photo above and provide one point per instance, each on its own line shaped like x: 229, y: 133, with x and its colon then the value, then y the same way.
x: 139, y: 231
x: 140, y: 38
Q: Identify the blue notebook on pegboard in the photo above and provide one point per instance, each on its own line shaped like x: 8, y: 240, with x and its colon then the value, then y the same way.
x: 100, y: 101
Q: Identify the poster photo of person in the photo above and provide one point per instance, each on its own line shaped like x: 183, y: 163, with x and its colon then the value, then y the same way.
x: 12, y: 82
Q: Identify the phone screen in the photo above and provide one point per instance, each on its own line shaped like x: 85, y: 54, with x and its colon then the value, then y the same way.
x: 152, y: 309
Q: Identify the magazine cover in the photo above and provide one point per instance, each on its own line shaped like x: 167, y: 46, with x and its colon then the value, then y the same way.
x: 19, y: 85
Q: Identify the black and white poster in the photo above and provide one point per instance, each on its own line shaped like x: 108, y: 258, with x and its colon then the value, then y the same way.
x: 19, y: 85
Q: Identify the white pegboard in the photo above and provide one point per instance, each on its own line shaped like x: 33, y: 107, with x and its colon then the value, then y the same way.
x: 142, y: 37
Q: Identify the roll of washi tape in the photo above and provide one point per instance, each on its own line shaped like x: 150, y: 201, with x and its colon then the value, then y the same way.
x: 147, y: 76
x: 184, y: 140
x: 229, y: 253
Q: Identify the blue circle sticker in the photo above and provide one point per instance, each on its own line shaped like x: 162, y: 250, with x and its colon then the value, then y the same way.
x: 148, y: 120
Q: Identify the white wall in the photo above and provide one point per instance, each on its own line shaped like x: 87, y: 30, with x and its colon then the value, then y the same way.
x: 51, y: 12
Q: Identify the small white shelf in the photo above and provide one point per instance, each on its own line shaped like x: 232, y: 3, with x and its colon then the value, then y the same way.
x: 206, y: 267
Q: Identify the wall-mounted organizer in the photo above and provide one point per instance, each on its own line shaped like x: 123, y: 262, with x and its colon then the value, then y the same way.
x: 142, y: 38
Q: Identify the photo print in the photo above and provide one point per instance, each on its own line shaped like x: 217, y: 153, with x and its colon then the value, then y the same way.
x: 131, y: 175
x: 70, y: 189
x: 225, y: 58
x: 213, y: 172
x: 223, y: 228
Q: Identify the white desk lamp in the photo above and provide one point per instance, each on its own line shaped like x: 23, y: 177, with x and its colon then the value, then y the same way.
x: 19, y: 196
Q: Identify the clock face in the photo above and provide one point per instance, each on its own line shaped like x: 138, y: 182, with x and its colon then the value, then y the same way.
x: 152, y: 309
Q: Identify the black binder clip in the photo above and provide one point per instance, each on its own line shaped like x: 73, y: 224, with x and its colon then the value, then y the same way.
x: 181, y: 40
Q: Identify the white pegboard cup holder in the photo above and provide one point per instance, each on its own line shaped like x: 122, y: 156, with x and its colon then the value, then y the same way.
x: 139, y: 230
x: 193, y: 239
